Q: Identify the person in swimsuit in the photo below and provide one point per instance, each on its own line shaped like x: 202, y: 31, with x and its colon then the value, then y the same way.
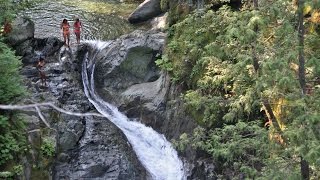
x: 65, y: 31
x: 40, y: 67
x: 77, y: 29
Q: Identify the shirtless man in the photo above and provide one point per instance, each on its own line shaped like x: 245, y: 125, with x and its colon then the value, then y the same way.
x: 40, y: 67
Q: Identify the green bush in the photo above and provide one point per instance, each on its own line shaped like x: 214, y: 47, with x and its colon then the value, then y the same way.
x: 48, y: 148
x: 10, y: 79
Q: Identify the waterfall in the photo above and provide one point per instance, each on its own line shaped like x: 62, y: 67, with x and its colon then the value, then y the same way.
x: 153, y: 150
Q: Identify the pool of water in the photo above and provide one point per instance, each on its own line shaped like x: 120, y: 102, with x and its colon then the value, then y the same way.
x: 101, y: 20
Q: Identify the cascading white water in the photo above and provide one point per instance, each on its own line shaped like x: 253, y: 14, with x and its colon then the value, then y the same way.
x: 153, y: 150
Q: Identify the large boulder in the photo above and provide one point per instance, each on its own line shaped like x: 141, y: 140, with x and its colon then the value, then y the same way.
x: 22, y: 30
x: 145, y: 11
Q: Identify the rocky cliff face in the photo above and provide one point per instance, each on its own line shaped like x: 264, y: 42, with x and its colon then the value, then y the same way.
x: 126, y: 75
x: 86, y: 147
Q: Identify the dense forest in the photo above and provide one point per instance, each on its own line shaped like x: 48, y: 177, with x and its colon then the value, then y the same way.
x: 250, y: 75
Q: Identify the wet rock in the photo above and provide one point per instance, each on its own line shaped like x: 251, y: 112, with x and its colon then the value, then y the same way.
x: 145, y: 11
x: 63, y: 157
x: 29, y: 71
x: 102, y: 153
x: 25, y: 48
x: 51, y: 46
x: 32, y: 49
x: 159, y: 22
x: 67, y: 141
x: 130, y: 61
x: 22, y: 30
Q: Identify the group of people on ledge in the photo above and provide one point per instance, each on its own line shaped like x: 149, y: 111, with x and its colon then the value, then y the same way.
x: 65, y: 26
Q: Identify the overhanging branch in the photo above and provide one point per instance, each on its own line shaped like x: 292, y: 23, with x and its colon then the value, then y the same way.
x: 37, y: 105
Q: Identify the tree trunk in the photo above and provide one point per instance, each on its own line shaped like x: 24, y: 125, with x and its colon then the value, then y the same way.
x: 255, y: 4
x: 304, y: 165
x: 254, y: 53
x: 302, y: 78
x: 271, y: 115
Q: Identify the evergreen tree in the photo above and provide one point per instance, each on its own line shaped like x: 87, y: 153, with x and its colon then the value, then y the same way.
x: 235, y: 64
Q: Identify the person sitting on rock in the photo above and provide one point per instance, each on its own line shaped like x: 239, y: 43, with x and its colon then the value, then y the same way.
x: 40, y: 67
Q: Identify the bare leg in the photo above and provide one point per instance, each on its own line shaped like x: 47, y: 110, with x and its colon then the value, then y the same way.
x: 77, y: 37
x: 64, y: 39
x: 68, y: 40
x: 44, y: 79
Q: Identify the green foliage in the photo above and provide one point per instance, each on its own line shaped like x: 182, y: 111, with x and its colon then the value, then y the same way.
x: 212, y: 53
x: 164, y: 63
x: 178, y: 10
x: 289, y: 169
x: 182, y: 143
x: 12, y: 128
x: 10, y: 80
x: 12, y: 138
x: 8, y: 146
x: 6, y: 175
x: 9, y: 8
x: 6, y: 7
x: 48, y: 148
x: 17, y: 170
x: 238, y: 147
x: 164, y: 4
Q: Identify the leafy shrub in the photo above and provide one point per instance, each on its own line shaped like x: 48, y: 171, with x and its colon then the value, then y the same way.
x: 48, y: 148
x: 8, y: 146
x: 10, y: 80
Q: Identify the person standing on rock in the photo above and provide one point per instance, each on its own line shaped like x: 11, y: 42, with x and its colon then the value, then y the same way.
x: 40, y: 67
x: 77, y: 29
x: 66, y: 32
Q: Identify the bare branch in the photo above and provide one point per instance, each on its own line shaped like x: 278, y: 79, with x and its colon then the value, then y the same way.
x: 35, y: 130
x: 37, y: 105
x: 42, y: 118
